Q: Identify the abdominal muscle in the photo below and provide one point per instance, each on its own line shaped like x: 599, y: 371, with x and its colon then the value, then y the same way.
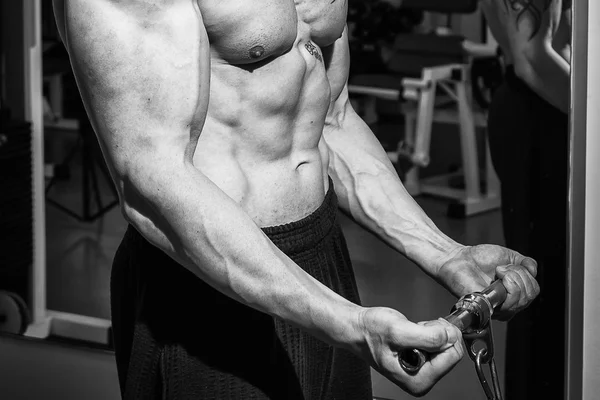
x: 262, y: 140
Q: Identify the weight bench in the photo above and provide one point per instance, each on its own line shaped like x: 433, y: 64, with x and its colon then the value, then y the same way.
x: 431, y: 82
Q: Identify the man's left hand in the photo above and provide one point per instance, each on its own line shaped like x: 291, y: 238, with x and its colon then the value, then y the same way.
x: 473, y: 268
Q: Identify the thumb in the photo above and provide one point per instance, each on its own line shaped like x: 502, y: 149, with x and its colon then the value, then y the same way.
x: 433, y: 336
x: 531, y: 265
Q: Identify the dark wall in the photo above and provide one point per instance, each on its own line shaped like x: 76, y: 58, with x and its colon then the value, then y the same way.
x: 13, y: 78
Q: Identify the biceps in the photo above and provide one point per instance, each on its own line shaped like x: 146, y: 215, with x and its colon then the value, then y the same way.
x: 143, y: 77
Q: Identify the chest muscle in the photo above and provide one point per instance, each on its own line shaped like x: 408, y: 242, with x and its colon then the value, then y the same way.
x: 249, y: 31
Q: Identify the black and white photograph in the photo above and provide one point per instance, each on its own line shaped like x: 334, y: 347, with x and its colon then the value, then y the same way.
x: 299, y: 199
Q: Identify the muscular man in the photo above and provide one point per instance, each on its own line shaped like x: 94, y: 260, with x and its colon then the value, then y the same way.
x: 227, y: 129
x: 528, y: 129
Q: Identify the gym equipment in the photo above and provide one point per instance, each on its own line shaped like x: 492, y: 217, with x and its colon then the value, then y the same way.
x: 376, y: 21
x: 472, y: 315
x: 93, y: 168
x: 16, y: 221
x: 14, y: 314
x: 429, y: 76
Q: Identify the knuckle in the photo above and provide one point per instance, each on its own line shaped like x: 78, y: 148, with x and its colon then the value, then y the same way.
x: 512, y: 278
x: 457, y: 355
x: 526, y: 276
x: 456, y: 360
x: 532, y: 295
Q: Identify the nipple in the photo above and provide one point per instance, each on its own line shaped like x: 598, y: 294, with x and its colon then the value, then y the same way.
x: 256, y: 52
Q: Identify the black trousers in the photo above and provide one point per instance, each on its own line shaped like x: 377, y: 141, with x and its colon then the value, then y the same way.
x: 529, y: 146
x: 176, y: 337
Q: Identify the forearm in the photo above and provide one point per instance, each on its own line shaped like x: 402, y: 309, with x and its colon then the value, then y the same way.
x: 548, y: 74
x: 372, y: 193
x: 199, y: 226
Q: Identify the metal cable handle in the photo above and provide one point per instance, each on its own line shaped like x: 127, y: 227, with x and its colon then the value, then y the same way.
x: 471, y: 313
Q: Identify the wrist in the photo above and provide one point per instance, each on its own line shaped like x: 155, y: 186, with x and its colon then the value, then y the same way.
x: 449, y: 252
x: 350, y: 333
x: 433, y: 251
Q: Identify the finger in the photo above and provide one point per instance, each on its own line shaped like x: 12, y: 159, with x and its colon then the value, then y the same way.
x: 526, y: 262
x: 531, y: 265
x: 439, y: 361
x: 525, y: 279
x: 439, y: 364
x: 443, y: 361
x: 512, y: 282
x: 531, y: 286
x: 431, y: 336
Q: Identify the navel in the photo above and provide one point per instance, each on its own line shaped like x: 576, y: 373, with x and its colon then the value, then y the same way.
x: 256, y: 52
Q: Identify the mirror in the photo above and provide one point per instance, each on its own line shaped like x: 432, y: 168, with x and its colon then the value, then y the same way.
x: 21, y: 205
x: 431, y: 119
x: 50, y: 243
x: 83, y: 223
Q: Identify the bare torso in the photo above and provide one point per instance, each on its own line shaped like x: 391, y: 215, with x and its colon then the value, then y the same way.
x: 269, y: 95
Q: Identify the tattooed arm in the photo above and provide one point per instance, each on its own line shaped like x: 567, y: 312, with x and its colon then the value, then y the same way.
x: 538, y: 33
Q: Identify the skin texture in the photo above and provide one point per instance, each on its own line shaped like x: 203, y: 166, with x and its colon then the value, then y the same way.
x: 208, y: 140
x: 535, y: 36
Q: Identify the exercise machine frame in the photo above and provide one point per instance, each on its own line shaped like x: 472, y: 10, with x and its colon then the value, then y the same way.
x: 46, y: 322
x: 420, y: 101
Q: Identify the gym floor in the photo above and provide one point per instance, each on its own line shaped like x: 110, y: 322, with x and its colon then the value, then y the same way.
x: 79, y: 256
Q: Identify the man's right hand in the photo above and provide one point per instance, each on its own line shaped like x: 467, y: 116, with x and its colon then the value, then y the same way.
x: 387, y: 332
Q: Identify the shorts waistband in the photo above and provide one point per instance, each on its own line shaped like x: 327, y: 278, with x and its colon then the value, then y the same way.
x: 514, y: 81
x: 291, y: 238
x: 306, y: 233
x: 520, y: 86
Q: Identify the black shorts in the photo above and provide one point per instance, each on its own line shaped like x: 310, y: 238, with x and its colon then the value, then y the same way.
x: 175, y: 337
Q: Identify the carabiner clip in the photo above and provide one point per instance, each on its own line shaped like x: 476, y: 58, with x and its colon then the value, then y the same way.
x: 484, y: 335
x: 485, y: 355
